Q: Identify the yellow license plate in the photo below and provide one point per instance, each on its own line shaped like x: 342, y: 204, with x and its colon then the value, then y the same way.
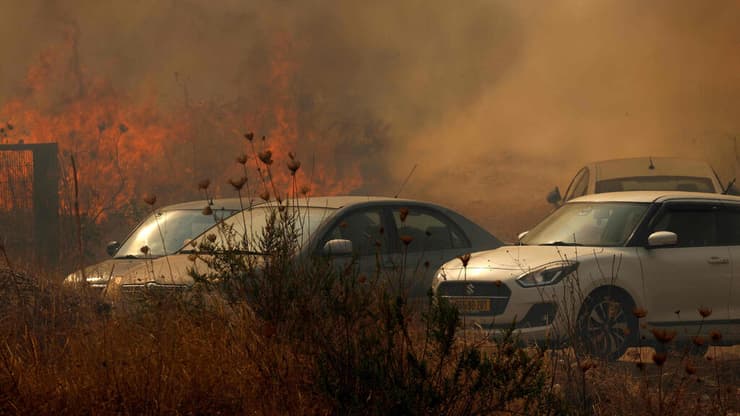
x: 472, y: 305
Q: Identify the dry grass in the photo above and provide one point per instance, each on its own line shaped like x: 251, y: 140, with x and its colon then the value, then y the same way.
x: 76, y: 356
x: 68, y: 353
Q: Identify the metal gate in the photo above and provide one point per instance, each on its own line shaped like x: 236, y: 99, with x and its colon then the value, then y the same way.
x: 29, y: 200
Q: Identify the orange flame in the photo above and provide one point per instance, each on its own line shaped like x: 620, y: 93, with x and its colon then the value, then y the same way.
x: 126, y: 146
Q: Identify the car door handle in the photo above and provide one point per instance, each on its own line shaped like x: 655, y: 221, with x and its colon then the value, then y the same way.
x: 718, y: 260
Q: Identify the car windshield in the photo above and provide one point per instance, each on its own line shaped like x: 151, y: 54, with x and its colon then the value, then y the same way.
x: 603, y: 224
x: 254, y: 222
x: 165, y: 232
x: 656, y: 183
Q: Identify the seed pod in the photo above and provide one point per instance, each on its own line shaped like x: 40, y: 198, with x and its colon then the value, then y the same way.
x: 265, y: 157
x: 150, y: 199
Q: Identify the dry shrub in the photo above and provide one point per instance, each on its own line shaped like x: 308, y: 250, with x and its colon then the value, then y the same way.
x: 79, y: 356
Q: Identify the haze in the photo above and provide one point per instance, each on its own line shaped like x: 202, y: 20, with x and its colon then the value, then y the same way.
x: 495, y: 102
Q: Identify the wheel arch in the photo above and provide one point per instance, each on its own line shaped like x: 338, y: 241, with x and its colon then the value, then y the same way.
x: 608, y: 289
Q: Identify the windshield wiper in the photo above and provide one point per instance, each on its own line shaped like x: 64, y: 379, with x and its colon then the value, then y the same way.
x: 560, y: 243
x: 127, y: 256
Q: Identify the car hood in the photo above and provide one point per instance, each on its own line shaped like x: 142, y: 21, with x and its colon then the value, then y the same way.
x: 101, y: 272
x: 174, y: 269
x: 171, y: 270
x: 511, y: 261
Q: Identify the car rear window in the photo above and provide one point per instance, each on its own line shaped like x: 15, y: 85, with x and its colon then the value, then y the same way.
x: 656, y: 183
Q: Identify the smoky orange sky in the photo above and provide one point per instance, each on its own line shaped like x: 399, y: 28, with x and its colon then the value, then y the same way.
x: 495, y: 102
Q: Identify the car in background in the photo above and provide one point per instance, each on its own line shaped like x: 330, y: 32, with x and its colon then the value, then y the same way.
x: 163, y: 232
x: 395, y: 235
x: 596, y: 265
x: 642, y: 174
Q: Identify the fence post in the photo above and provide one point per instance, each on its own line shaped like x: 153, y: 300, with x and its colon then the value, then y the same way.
x: 46, y: 201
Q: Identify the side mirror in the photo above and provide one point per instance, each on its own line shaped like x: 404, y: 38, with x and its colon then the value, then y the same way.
x: 662, y: 239
x: 338, y: 247
x: 521, y: 235
x: 554, y: 196
x: 112, y: 248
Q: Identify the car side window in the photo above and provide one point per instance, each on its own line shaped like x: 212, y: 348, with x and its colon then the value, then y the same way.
x: 729, y: 226
x: 695, y: 225
x: 579, y: 186
x: 364, y: 229
x: 424, y: 230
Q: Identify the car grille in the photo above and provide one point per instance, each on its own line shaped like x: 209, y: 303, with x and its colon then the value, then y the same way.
x: 540, y: 314
x: 496, y: 293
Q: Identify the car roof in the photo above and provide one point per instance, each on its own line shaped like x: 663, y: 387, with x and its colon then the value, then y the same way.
x: 641, y: 166
x: 222, y: 203
x: 314, y: 201
x: 654, y: 196
x: 342, y: 201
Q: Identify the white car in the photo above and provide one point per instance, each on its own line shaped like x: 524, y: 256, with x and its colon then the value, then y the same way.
x: 641, y: 174
x: 163, y: 232
x: 389, y: 233
x: 597, y: 264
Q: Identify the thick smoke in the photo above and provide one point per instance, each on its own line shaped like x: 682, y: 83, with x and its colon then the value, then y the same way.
x: 495, y: 102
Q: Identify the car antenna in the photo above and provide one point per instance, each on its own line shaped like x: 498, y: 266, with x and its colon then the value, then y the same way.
x: 405, y: 181
x: 729, y: 186
x: 652, y: 165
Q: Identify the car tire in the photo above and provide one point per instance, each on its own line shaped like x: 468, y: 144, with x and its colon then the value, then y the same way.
x: 606, y: 326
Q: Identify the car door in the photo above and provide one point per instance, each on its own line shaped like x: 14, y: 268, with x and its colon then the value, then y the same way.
x: 729, y: 225
x: 693, y: 274
x: 428, y: 238
x: 366, y: 228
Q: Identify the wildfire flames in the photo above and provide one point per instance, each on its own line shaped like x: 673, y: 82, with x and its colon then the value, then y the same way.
x: 126, y: 146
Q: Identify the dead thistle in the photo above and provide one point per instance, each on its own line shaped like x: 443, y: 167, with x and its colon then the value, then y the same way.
x: 465, y: 258
x: 690, y: 368
x: 403, y: 212
x: 238, y: 184
x: 406, y: 239
x: 639, y: 312
x: 150, y: 199
x: 587, y: 365
x: 265, y: 157
x: 699, y: 341
x: 662, y: 335
x: 293, y: 165
x: 659, y: 358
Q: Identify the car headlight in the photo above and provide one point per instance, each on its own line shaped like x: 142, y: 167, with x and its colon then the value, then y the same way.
x: 548, y: 274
